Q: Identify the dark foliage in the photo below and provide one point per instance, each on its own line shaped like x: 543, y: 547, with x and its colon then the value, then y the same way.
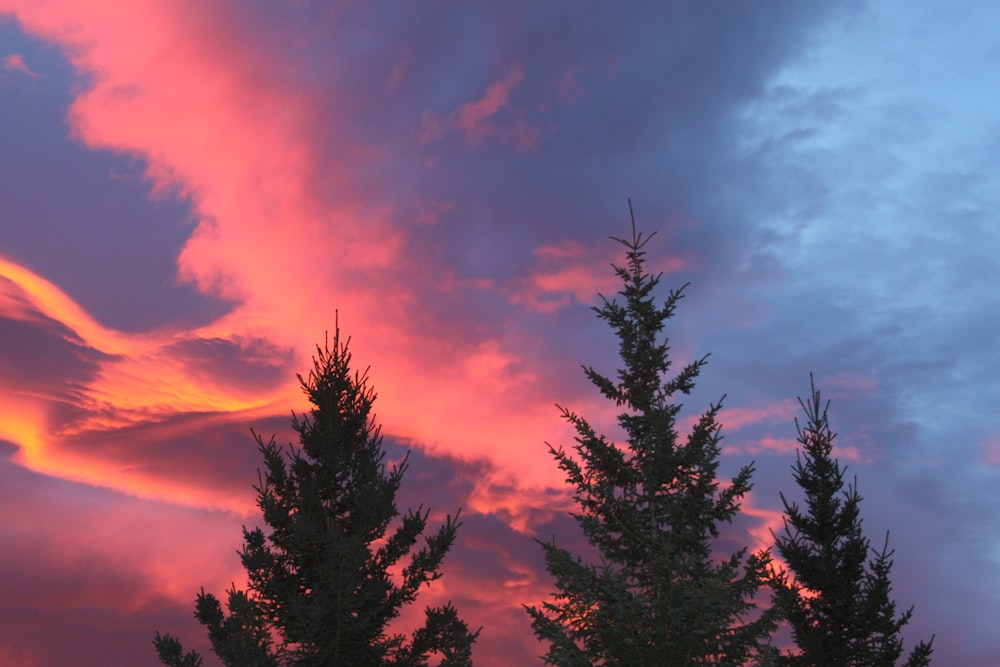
x: 836, y: 592
x: 321, y: 590
x: 651, y: 507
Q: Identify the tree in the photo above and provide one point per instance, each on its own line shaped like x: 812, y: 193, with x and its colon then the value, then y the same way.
x: 651, y: 508
x: 327, y: 579
x: 836, y: 591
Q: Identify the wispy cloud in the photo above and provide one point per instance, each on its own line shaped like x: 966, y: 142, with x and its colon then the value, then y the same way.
x: 15, y: 63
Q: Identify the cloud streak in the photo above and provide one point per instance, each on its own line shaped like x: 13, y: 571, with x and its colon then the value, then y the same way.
x: 15, y: 63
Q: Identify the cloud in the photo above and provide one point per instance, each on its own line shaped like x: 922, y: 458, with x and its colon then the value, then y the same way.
x: 456, y: 226
x: 15, y: 63
x: 472, y: 116
x: 991, y: 452
x: 291, y: 231
x: 77, y: 390
x: 482, y: 119
x: 565, y: 273
x: 18, y: 655
x: 308, y: 193
x: 782, y: 412
x: 88, y: 548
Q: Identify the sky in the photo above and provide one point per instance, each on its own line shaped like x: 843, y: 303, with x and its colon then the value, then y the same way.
x: 192, y: 194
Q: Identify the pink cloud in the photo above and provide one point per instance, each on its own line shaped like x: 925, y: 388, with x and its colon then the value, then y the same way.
x: 473, y: 116
x: 15, y: 63
x: 429, y: 210
x: 217, y: 119
x: 849, y: 453
x: 735, y: 419
x: 432, y: 128
x: 568, y: 273
x: 15, y: 655
x: 764, y: 522
x: 788, y: 447
x: 145, y: 550
x: 847, y: 385
x: 570, y: 86
x: 480, y: 120
x: 991, y: 452
x: 771, y: 445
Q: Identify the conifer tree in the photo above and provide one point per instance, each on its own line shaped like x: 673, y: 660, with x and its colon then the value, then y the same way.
x: 836, y: 592
x: 651, y: 507
x: 328, y: 576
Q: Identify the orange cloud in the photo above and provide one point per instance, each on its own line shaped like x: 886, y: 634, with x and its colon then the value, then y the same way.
x: 26, y: 296
x: 24, y: 423
x: 140, y: 379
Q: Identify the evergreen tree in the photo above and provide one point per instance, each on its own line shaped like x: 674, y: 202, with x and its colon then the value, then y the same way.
x: 329, y: 576
x: 836, y: 592
x: 651, y: 508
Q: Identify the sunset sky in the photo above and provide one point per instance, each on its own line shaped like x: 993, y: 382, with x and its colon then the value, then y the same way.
x: 190, y: 190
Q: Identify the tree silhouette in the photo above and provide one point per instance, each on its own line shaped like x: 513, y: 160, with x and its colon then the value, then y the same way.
x: 650, y: 507
x: 321, y: 584
x: 836, y: 592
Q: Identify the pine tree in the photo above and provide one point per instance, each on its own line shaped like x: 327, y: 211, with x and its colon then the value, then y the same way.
x: 329, y: 576
x: 651, y: 508
x: 836, y: 592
